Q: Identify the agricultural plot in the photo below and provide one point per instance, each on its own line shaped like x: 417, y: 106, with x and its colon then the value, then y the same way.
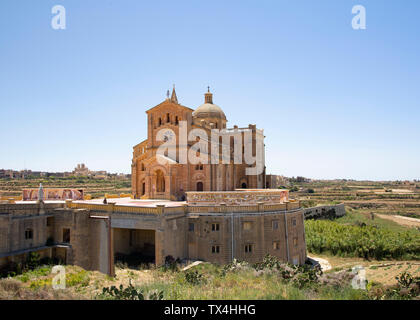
x: 394, y: 198
x: 93, y: 186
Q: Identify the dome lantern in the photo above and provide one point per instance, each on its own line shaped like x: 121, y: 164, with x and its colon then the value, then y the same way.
x: 208, y: 96
x: 210, y: 112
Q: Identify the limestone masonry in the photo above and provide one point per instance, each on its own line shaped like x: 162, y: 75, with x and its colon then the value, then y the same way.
x: 203, y: 211
x: 152, y: 180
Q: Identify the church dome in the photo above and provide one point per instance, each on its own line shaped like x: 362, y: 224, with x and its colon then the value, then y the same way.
x: 209, y: 110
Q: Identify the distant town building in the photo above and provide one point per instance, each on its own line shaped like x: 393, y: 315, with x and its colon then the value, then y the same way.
x: 81, y: 170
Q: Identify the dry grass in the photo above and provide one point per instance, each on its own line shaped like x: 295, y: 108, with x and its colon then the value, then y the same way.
x: 12, y: 289
x: 404, y: 221
x: 81, y: 284
x: 383, y: 272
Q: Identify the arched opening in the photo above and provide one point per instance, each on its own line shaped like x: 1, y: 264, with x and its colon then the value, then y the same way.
x: 199, y: 186
x: 160, y: 181
x: 243, y: 186
x: 143, y: 188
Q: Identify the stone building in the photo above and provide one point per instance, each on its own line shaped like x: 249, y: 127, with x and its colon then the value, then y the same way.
x: 213, y: 226
x: 227, y: 213
x: 81, y: 170
x: 166, y: 121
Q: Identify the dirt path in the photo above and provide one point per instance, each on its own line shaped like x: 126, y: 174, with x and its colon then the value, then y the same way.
x: 325, y: 265
x: 404, y: 221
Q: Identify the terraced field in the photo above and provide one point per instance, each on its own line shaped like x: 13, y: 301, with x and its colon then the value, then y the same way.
x: 393, y: 198
x: 95, y: 187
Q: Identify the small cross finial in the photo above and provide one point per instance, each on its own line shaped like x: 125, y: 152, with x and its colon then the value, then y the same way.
x: 167, y: 94
x: 208, y: 88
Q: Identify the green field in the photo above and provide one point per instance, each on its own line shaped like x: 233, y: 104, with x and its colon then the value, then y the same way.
x: 354, y: 235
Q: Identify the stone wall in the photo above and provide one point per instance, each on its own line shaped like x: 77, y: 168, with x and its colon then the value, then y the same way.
x: 215, y: 233
x: 16, y: 220
x: 254, y: 236
x: 325, y: 212
x: 245, y: 197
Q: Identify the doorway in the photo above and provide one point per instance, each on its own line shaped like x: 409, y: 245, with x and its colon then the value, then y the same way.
x: 134, y: 247
x: 160, y: 181
x: 143, y: 188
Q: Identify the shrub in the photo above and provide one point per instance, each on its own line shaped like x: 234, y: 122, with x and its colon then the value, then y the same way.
x: 130, y: 293
x: 41, y: 283
x: 194, y: 277
x: 81, y: 278
x: 171, y: 264
x: 235, y: 266
x: 269, y: 262
x: 337, y: 279
x: 300, y: 276
x: 33, y: 260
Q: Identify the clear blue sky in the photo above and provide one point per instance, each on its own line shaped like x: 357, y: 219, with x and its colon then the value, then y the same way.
x: 334, y: 102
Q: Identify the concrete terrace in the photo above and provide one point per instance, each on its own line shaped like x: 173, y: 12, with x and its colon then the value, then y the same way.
x: 150, y: 203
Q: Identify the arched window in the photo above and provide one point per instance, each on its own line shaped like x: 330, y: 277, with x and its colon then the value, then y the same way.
x: 243, y: 185
x: 176, y: 120
x: 160, y: 121
x: 167, y: 118
x: 199, y: 186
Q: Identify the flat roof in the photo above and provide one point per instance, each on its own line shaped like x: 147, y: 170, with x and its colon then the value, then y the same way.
x: 150, y: 203
x: 129, y: 202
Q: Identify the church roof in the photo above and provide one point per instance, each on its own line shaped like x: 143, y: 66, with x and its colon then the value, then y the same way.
x: 209, y: 110
x: 172, y: 100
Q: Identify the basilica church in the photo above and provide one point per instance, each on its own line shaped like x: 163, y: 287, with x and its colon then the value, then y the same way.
x: 170, y: 179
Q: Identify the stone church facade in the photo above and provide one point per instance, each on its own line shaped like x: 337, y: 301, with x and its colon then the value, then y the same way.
x: 228, y: 214
x: 152, y: 180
